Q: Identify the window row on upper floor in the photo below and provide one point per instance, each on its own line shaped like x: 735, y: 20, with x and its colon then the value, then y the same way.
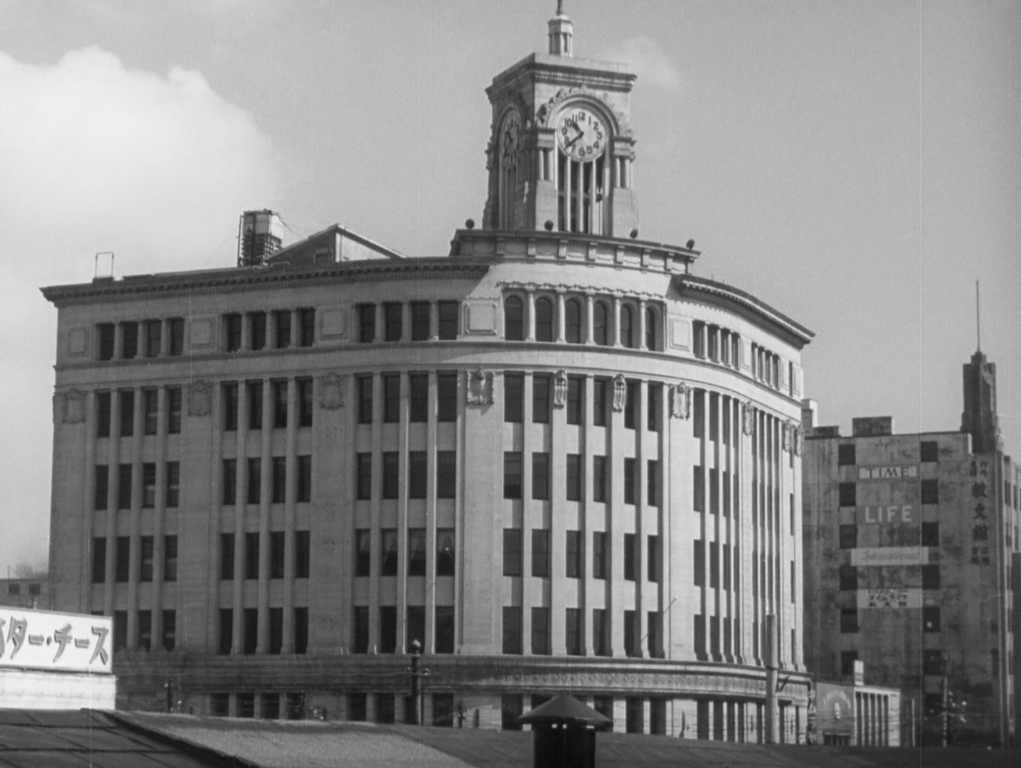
x: 146, y: 338
x: 279, y: 329
x: 596, y: 320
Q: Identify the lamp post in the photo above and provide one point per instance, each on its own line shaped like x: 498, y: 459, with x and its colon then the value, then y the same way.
x: 416, y: 653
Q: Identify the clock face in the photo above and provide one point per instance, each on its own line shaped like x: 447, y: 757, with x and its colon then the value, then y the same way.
x: 509, y: 138
x: 581, y: 133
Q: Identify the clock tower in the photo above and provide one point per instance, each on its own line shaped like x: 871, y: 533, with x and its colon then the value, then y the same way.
x: 561, y: 150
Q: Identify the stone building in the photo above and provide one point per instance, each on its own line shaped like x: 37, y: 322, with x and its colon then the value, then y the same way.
x: 911, y: 547
x: 555, y: 457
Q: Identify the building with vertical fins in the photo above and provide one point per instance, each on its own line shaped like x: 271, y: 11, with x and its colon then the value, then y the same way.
x: 911, y: 560
x: 555, y: 457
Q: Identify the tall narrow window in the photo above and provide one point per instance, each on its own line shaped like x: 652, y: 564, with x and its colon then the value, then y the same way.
x: 174, y: 401
x: 599, y: 478
x: 445, y: 553
x: 513, y: 319
x: 366, y: 323
x: 446, y: 396
x: 512, y: 630
x: 599, y: 555
x: 446, y: 474
x: 226, y: 556
x: 148, y: 485
x: 304, y: 478
x: 540, y: 631
x: 651, y: 329
x: 146, y: 559
x: 512, y: 475
x: 630, y: 557
x: 230, y: 406
x: 575, y: 555
x: 541, y: 398
x: 420, y: 321
x: 276, y: 554
x: 654, y: 397
x: 282, y: 328
x: 304, y: 402
x: 228, y: 482
x: 575, y: 646
x: 279, y: 393
x: 600, y: 324
x: 232, y: 332
x: 393, y: 321
x: 512, y: 555
x: 254, y: 493
x: 627, y: 321
x: 600, y: 401
x: 448, y: 319
x: 417, y: 475
x: 543, y: 319
x: 123, y: 486
x: 575, y: 399
x: 278, y: 479
x: 631, y: 403
x: 103, y: 414
x: 173, y: 470
x: 574, y: 476
x: 129, y: 346
x: 252, y: 555
x: 513, y: 395
x: 391, y: 481
x: 122, y: 561
x: 176, y: 327
x: 363, y: 476
x: 540, y: 553
x: 150, y: 411
x: 105, y: 332
x: 170, y: 558
x: 540, y: 476
x: 306, y: 326
x: 363, y: 551
x: 419, y: 397
x: 127, y: 412
x: 572, y: 321
x: 254, y: 393
x: 102, y: 486
x: 364, y: 399
x: 256, y: 330
x: 416, y: 552
x: 391, y: 397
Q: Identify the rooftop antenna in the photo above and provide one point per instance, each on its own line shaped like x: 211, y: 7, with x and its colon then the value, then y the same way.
x: 978, y: 318
x: 96, y: 270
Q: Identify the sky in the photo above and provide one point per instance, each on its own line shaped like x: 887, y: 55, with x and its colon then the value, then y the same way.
x: 857, y: 166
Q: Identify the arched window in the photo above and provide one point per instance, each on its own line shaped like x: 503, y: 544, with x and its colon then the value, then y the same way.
x: 627, y: 336
x: 543, y: 319
x: 513, y: 319
x: 572, y: 321
x: 651, y: 326
x: 600, y: 325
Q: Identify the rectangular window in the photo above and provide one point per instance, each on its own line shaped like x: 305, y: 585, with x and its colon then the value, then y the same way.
x: 848, y: 536
x: 366, y: 323
x: 230, y: 406
x: 302, y: 554
x: 930, y: 491
x: 388, y: 629
x: 390, y: 475
x: 420, y: 330
x: 170, y: 558
x: 304, y: 478
x: 229, y: 481
x: 541, y: 398
x: 574, y: 476
x: 124, y: 486
x: 120, y: 630
x: 575, y: 637
x: 575, y: 555
x: 278, y: 478
x: 930, y: 577
x: 652, y: 483
x: 363, y: 480
x: 629, y: 481
x: 361, y: 629
x: 513, y: 397
x: 388, y: 552
x: 652, y: 558
x: 630, y: 556
x: 512, y: 630
x: 393, y: 321
x: 173, y: 496
x: 575, y: 399
x: 98, y: 560
x: 415, y: 624
x: 122, y: 562
x: 150, y: 411
x: 446, y: 555
x: 363, y: 551
x: 232, y: 332
x: 127, y: 411
x: 540, y: 553
x: 846, y: 455
x: 102, y: 486
x: 540, y: 476
x: 278, y: 392
x: 417, y: 474
x: 144, y: 630
x: 176, y: 327
x: 655, y: 397
x: 848, y: 494
x: 446, y: 474
x: 446, y: 396
x: 930, y: 618
x: 256, y: 330
x: 653, y: 633
x: 282, y: 328
x: 106, y: 340
x: 227, y: 556
x: 848, y: 578
x: 512, y: 552
x: 599, y: 478
x: 930, y: 534
x: 419, y: 397
x: 698, y: 488
x: 698, y: 562
x: 848, y: 620
x: 306, y: 326
x: 630, y: 634
x: 932, y: 662
x: 147, y: 553
x: 276, y: 554
x: 254, y: 392
x: 699, y: 630
x: 129, y: 349
x: 631, y: 403
x: 847, y: 659
x: 250, y: 627
x: 448, y: 311
x: 103, y: 414
x: 929, y: 451
x: 169, y: 639
x: 600, y: 633
x: 174, y: 399
x: 416, y: 551
x: 391, y: 397
x: 714, y: 565
x: 540, y: 631
x: 599, y: 555
x: 600, y: 401
x: 226, y: 633
x: 444, y: 629
x: 252, y: 555
x: 276, y: 630
x: 364, y: 399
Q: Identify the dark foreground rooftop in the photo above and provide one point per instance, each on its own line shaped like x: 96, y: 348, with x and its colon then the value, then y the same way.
x: 138, y: 740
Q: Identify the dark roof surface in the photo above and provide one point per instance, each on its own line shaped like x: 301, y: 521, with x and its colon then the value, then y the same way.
x: 565, y: 709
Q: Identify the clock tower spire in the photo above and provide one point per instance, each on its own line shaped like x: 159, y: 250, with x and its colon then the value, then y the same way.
x: 561, y: 33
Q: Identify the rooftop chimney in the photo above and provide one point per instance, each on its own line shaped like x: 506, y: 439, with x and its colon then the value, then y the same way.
x: 260, y: 237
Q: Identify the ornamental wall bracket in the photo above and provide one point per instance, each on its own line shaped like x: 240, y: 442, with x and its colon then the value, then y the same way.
x: 200, y: 398
x: 786, y: 436
x: 331, y: 391
x: 680, y: 401
x: 559, y: 389
x: 798, y: 437
x: 748, y: 417
x: 69, y: 407
x: 480, y: 387
x: 619, y: 392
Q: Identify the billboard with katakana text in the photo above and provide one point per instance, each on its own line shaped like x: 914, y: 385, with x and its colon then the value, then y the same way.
x: 55, y: 641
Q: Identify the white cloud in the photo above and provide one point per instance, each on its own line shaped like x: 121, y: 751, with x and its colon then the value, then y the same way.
x: 647, y: 60
x: 98, y: 157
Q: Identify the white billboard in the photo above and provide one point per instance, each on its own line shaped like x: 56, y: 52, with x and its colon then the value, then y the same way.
x: 67, y: 642
x: 890, y: 556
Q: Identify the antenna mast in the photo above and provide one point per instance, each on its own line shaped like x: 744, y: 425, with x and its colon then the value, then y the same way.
x: 978, y: 318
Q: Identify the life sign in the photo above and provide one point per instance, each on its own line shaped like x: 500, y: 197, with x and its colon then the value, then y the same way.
x: 893, y: 514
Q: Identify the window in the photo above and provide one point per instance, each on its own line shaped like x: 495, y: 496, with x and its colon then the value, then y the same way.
x: 416, y: 551
x: 543, y: 319
x: 169, y: 639
x: 652, y: 558
x: 419, y: 399
x: 276, y: 554
x: 129, y: 348
x: 226, y: 635
x: 282, y: 328
x: 631, y: 404
x: 124, y: 486
x: 541, y: 398
x: 122, y: 561
x: 361, y: 629
x: 420, y: 330
x: 176, y: 327
x: 572, y: 321
x: 932, y: 662
x: 366, y: 323
x: 257, y: 330
x: 653, y: 400
x: 393, y: 321
x: 363, y: 551
x: 848, y: 536
x: 513, y: 397
x: 446, y: 474
x: 227, y: 556
x: 446, y: 396
x: 363, y: 481
x: 599, y: 478
x: 251, y: 555
x: 173, y: 483
x: 306, y: 326
x: 170, y: 558
x: 848, y: 494
x: 146, y: 558
x: 848, y: 577
x: 600, y: 324
x: 232, y: 332
x: 629, y: 481
x: 698, y: 562
x: 848, y: 620
x: 103, y: 414
x: 930, y: 618
x: 230, y: 406
x: 714, y: 565
x: 599, y: 555
x: 630, y: 556
x: 98, y: 560
x: 845, y: 454
x: 102, y: 486
x: 120, y: 630
x: 388, y: 549
x: 930, y: 577
x: 627, y: 336
x: 575, y: 555
x: 930, y: 491
x: 229, y: 481
x: 415, y: 624
x: 417, y: 474
x: 654, y: 630
x: 444, y: 642
x: 540, y: 476
x: 929, y: 450
x: 540, y: 631
x: 174, y: 397
x: 276, y: 631
x: 106, y: 340
x: 600, y: 401
x: 512, y: 552
x: 446, y: 557
x: 150, y: 411
x: 847, y: 659
x: 148, y: 485
x: 254, y: 391
x: 540, y: 553
x: 930, y: 534
x: 652, y: 483
x: 512, y: 630
x: 391, y: 397
x: 574, y: 476
x: 448, y: 311
x: 278, y: 392
x: 575, y: 399
x: 390, y: 475
x: 278, y: 477
x: 144, y: 630
x: 600, y: 633
x: 572, y: 625
x: 651, y: 326
x: 304, y: 478
x: 127, y: 412
x: 250, y: 627
x: 364, y: 399
x: 513, y: 319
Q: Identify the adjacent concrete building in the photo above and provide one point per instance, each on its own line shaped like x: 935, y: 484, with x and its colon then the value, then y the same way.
x: 911, y: 547
x: 555, y: 457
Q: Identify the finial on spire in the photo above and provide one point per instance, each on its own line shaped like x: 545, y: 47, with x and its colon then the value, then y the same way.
x: 978, y: 318
x: 561, y: 32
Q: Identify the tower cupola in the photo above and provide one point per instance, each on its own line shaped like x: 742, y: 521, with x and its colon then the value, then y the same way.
x: 561, y: 33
